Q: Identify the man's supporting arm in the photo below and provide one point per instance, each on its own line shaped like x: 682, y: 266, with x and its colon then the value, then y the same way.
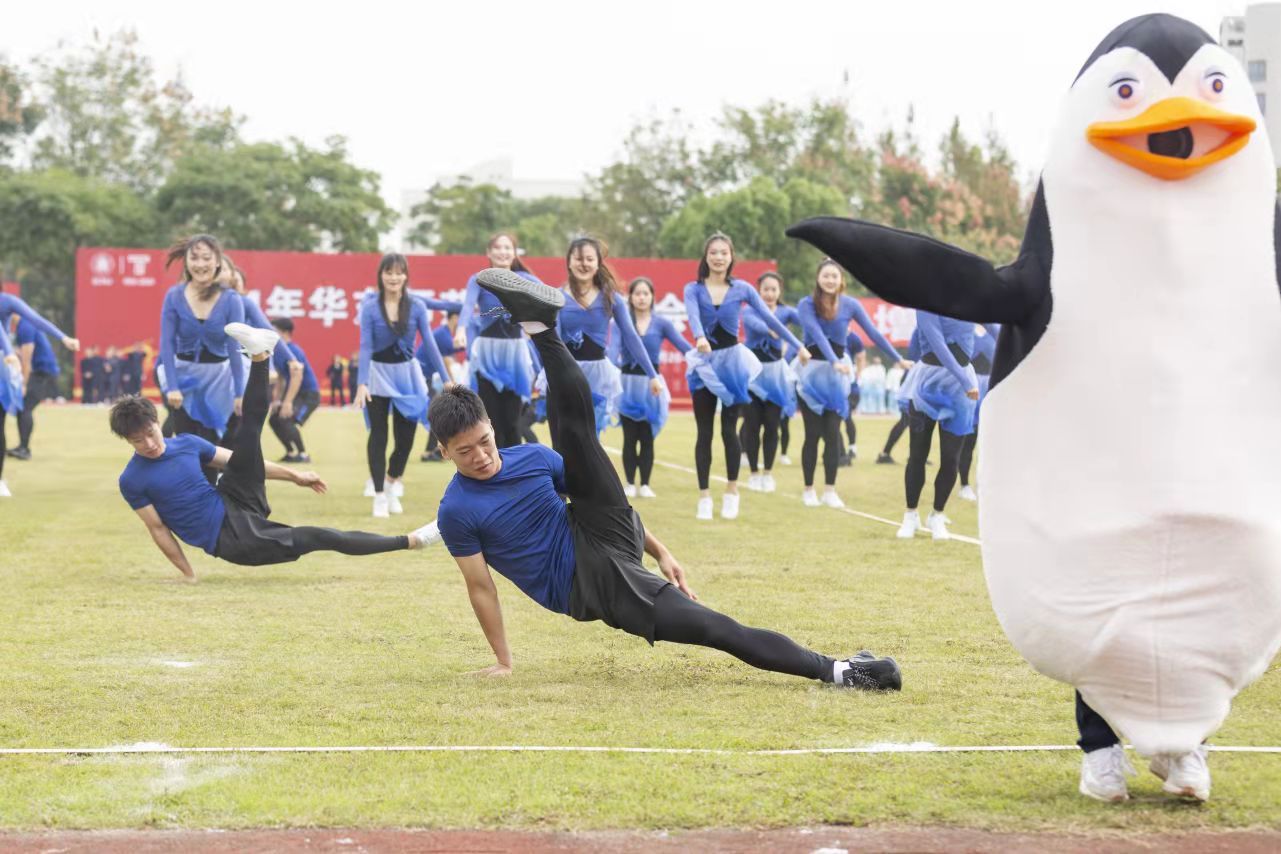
x: 667, y: 564
x: 165, y: 540
x: 484, y: 601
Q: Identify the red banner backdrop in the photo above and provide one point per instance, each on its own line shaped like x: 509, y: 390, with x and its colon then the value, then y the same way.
x: 119, y: 294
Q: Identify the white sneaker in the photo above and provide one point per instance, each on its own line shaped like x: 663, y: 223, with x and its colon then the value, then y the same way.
x: 704, y: 508
x: 754, y: 483
x: 397, y: 488
x: 428, y: 535
x: 785, y: 459
x: 646, y: 492
x: 4, y: 490
x: 393, y: 503
x: 743, y: 461
x: 369, y: 488
x: 831, y: 499
x: 729, y: 506
x: 937, y: 523
x: 810, y: 498
x: 380, y: 506
x: 1103, y: 774
x: 629, y: 490
x: 252, y: 341
x: 911, y: 524
x: 767, y: 483
x: 1187, y: 776
x: 967, y: 493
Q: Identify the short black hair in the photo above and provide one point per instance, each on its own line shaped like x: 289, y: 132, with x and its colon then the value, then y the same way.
x: 284, y: 324
x: 132, y: 414
x: 451, y: 314
x: 453, y: 411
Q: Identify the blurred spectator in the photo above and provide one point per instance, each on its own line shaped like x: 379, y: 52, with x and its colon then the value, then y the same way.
x: 337, y: 388
x: 872, y: 383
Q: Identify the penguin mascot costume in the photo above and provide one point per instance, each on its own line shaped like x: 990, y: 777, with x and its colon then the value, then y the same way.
x: 1119, y: 558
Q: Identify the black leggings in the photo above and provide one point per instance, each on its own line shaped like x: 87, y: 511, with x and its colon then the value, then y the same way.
x: 184, y: 423
x: 761, y: 415
x: 825, y: 426
x: 503, y: 409
x: 638, y: 449
x: 784, y: 434
x: 308, y: 539
x: 895, y: 432
x: 376, y: 447
x: 679, y: 619
x: 921, y: 438
x: 704, y: 417
x: 967, y: 456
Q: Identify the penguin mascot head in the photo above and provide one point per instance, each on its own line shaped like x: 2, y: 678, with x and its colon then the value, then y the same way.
x: 1123, y: 555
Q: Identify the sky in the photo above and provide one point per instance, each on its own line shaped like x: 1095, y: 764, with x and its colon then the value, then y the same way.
x: 423, y: 90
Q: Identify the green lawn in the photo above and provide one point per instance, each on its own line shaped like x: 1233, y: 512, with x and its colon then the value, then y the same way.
x: 374, y: 651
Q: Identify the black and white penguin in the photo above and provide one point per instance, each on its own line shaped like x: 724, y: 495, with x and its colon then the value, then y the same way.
x: 1122, y: 556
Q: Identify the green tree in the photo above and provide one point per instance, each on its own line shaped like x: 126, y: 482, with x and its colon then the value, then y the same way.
x: 19, y: 115
x: 461, y: 217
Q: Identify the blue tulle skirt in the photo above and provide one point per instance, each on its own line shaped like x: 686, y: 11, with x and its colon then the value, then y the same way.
x: 822, y: 387
x: 10, y: 387
x: 403, y: 382
x: 208, y: 396
x: 777, y: 383
x: 637, y: 404
x: 939, y: 395
x: 505, y: 362
x: 907, y: 389
x: 607, y: 387
x: 726, y: 373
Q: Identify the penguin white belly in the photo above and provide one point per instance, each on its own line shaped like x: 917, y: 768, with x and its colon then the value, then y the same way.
x: 1131, y: 517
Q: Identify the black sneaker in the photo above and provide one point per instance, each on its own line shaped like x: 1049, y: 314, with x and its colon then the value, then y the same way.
x: 872, y: 674
x: 432, y: 457
x: 19, y: 453
x: 523, y: 299
x: 302, y: 458
x: 288, y: 458
x: 847, y: 459
x: 884, y: 459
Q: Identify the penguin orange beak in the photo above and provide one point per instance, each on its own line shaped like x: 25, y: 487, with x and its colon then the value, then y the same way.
x: 1173, y: 139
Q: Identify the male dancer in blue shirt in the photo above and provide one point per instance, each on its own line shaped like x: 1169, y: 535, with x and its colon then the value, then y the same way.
x: 504, y: 509
x: 165, y: 484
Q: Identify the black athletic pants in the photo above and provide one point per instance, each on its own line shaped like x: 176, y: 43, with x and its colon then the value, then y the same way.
x: 638, y: 450
x: 286, y: 430
x: 967, y: 456
x: 705, y: 417
x: 851, y: 429
x: 895, y: 432
x: 761, y: 420
x: 40, y: 386
x: 525, y: 424
x: 503, y: 409
x: 590, y: 477
x: 1095, y: 732
x: 825, y: 426
x: 921, y: 438
x: 380, y: 467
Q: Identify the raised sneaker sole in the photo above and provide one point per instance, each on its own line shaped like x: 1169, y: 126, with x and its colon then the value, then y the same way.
x: 525, y: 300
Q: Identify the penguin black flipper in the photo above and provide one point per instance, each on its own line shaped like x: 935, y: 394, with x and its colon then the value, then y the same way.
x: 920, y: 272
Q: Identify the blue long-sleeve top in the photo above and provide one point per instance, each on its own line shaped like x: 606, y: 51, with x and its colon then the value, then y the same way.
x: 376, y: 335
x: 474, y: 313
x: 824, y: 333
x: 914, y: 346
x: 660, y: 329
x: 574, y: 323
x: 9, y: 304
x: 937, y: 332
x: 985, y: 348
x: 704, y: 317
x: 761, y: 339
x: 182, y: 332
x: 6, y: 348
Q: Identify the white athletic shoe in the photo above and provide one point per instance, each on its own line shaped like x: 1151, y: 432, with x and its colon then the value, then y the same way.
x: 704, y: 508
x: 1187, y: 776
x: 754, y: 483
x: 380, y: 506
x: 369, y: 488
x: 1103, y: 774
x: 393, y: 503
x: 743, y: 461
x: 397, y: 488
x: 4, y: 490
x: 831, y: 499
x: 767, y: 483
x: 911, y: 524
x: 937, y: 523
x: 810, y: 498
x: 629, y: 490
x: 646, y: 492
x: 729, y: 506
x: 252, y: 341
x: 967, y: 493
x: 428, y: 535
x: 785, y: 459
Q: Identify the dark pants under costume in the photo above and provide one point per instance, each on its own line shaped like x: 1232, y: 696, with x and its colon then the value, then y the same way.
x: 1095, y: 732
x: 248, y: 537
x: 761, y: 423
x: 920, y: 440
x: 610, y: 582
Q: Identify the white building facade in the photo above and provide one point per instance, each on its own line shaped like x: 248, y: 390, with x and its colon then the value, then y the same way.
x: 1255, y: 39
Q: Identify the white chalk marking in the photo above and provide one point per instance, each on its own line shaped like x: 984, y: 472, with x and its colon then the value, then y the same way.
x: 179, y: 664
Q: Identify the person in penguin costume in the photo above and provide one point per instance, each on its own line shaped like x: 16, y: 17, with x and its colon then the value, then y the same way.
x: 1146, y: 576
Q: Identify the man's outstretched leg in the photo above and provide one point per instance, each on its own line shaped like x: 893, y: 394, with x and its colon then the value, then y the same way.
x: 245, y: 476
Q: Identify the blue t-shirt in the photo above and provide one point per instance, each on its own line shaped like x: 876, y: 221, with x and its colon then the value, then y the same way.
x: 518, y: 520
x: 291, y: 352
x: 42, y: 357
x: 444, y: 340
x: 174, y: 483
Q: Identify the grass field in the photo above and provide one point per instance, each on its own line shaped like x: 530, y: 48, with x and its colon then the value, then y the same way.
x: 374, y: 651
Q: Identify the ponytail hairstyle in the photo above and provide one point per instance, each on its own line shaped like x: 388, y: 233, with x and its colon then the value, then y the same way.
x: 703, y: 269
x: 395, y: 261
x: 824, y: 303
x: 604, y: 280
x: 179, y: 250
x: 639, y: 281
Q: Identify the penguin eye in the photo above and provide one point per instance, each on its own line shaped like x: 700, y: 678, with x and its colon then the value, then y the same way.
x: 1126, y: 90
x: 1214, y: 84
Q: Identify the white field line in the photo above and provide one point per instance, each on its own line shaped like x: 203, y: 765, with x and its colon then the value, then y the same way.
x: 916, y: 747
x: 743, y: 488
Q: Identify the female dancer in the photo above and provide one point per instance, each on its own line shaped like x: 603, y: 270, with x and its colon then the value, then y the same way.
x: 984, y: 353
x: 390, y: 380
x: 722, y: 370
x: 201, y: 372
x: 903, y: 397
x: 773, y: 391
x: 824, y: 385
x: 10, y: 397
x: 944, y: 392
x: 643, y: 413
x: 583, y: 324
x: 498, y: 359
x: 857, y: 351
